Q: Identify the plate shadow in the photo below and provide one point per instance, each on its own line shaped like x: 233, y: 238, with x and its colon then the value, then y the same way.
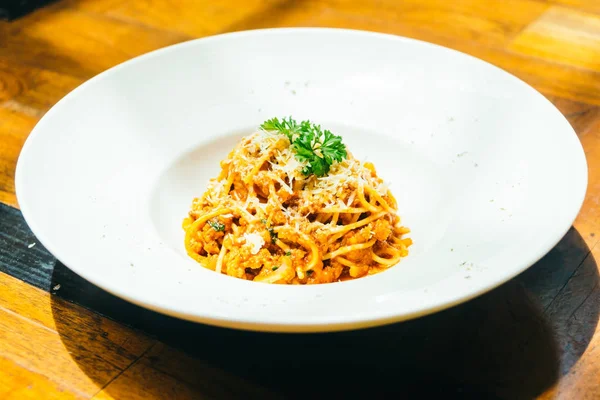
x: 507, y: 344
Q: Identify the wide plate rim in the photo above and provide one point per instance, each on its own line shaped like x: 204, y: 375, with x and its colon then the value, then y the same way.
x: 313, y: 325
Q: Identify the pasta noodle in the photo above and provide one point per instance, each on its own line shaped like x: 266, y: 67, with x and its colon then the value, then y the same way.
x: 264, y: 219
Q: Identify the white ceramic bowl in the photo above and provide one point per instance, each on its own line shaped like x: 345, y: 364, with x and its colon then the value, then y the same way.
x: 488, y: 174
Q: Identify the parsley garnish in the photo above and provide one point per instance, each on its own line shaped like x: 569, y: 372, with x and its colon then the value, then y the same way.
x: 217, y: 226
x: 288, y: 127
x: 288, y: 253
x: 271, y: 231
x: 275, y: 268
x: 273, y: 234
x: 315, y: 147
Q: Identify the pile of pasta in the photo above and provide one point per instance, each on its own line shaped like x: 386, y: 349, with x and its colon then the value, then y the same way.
x: 263, y: 220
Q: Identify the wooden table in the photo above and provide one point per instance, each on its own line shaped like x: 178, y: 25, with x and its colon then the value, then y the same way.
x: 536, y: 336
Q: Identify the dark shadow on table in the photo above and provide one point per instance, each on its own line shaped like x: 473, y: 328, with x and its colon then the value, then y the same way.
x: 12, y: 9
x: 501, y: 345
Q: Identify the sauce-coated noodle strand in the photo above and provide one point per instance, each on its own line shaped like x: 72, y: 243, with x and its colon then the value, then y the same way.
x: 373, y: 193
x: 363, y: 201
x: 340, y: 231
x: 385, y: 261
x: 196, y: 225
x: 346, y: 262
x: 220, y: 259
x: 348, y: 210
x: 348, y: 249
x: 357, y: 224
x: 334, y: 219
x: 315, y: 262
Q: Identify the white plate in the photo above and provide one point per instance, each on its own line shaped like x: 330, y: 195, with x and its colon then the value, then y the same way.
x: 488, y: 174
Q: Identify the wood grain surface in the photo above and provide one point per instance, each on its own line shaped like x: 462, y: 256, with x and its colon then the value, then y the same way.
x: 534, y: 337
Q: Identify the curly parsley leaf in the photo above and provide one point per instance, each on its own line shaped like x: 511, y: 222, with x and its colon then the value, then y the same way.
x: 318, y: 149
x: 217, y: 226
x: 288, y: 127
x: 273, y: 234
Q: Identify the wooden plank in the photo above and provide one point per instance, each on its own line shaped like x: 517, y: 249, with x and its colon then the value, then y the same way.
x: 13, y: 9
x: 585, y: 119
x: 574, y: 311
x: 85, y: 350
x: 18, y: 383
x: 74, y: 48
x: 20, y: 253
x: 166, y: 373
x: 581, y: 5
x: 574, y: 314
x: 32, y: 91
x: 96, y: 6
x: 589, y: 217
x: 549, y: 276
x: 120, y: 344
x: 465, y: 20
x: 563, y: 36
x: 14, y: 129
x: 32, y: 346
x: 493, y: 22
x: 142, y: 383
x: 26, y: 93
x: 581, y: 116
x: 190, y: 17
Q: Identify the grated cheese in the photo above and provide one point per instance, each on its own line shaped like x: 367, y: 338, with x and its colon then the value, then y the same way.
x: 310, y: 193
x: 255, y: 241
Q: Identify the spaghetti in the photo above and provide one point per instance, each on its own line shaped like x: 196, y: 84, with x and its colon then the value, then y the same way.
x: 264, y: 219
